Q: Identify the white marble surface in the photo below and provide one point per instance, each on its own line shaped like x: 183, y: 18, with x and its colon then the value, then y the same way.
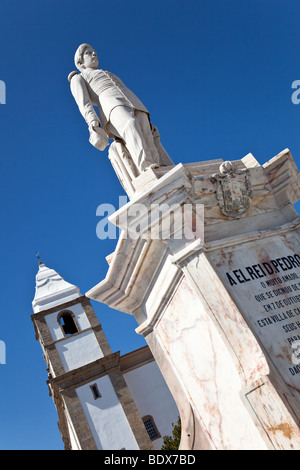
x: 121, y: 114
x: 204, y: 363
x: 270, y: 303
x: 230, y: 376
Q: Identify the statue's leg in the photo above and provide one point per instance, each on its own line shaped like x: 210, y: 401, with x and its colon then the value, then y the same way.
x: 128, y: 127
x: 144, y: 123
x: 164, y: 159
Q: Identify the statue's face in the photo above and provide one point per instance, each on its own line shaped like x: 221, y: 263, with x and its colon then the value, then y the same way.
x: 90, y: 59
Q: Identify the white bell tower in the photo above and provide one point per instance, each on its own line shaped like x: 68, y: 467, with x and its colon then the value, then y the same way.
x: 93, y: 402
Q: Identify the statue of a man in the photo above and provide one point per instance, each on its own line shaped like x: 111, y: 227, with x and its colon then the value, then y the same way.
x: 122, y: 115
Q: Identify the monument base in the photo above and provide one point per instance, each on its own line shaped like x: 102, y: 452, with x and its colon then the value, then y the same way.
x: 219, y: 306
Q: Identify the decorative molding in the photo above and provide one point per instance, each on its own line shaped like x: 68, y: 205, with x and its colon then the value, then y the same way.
x: 87, y: 373
x: 57, y: 308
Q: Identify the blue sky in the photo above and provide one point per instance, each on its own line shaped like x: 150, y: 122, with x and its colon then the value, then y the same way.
x: 216, y: 77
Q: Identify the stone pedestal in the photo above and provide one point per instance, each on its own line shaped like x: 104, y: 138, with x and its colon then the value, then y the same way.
x: 219, y: 307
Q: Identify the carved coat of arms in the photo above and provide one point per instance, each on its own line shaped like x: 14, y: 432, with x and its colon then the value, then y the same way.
x: 233, y: 189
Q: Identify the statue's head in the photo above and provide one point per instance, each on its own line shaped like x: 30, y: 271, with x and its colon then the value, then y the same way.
x: 86, y: 57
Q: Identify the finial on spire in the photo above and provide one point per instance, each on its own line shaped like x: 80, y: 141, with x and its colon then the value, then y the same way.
x: 38, y: 257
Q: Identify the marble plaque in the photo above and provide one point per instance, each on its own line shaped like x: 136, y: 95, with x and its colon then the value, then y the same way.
x: 263, y: 278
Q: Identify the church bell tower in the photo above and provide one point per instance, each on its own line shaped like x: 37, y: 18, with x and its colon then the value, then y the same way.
x: 94, y: 405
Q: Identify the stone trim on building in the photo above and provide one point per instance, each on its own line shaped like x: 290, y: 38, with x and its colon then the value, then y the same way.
x: 128, y: 404
x: 138, y: 358
x: 63, y: 385
x: 96, y: 326
x: 66, y: 384
x: 43, y: 335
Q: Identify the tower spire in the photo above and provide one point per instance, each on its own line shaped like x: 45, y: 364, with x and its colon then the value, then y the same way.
x: 38, y: 257
x: 51, y: 289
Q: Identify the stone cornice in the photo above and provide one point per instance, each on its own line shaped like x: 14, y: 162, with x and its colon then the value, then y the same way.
x: 85, y: 374
x: 82, y: 299
x: 135, y: 359
x: 137, y: 264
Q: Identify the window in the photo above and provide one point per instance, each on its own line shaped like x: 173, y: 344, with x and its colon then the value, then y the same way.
x: 151, y: 427
x: 95, y: 391
x: 67, y: 323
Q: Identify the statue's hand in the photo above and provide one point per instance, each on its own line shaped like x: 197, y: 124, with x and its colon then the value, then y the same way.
x: 98, y: 137
x: 95, y: 125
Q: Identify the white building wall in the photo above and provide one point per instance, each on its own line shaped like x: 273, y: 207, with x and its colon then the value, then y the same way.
x: 153, y: 397
x: 76, y: 351
x: 105, y: 416
x: 80, y: 349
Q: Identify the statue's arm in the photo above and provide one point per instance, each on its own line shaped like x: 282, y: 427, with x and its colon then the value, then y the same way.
x: 81, y: 95
x: 98, y: 137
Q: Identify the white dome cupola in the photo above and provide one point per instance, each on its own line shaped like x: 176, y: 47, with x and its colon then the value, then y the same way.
x: 51, y: 289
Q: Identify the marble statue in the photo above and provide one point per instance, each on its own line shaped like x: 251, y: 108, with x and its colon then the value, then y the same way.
x: 122, y: 116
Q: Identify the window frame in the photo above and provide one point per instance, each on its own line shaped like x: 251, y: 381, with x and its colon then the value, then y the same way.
x: 151, y: 419
x: 95, y: 386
